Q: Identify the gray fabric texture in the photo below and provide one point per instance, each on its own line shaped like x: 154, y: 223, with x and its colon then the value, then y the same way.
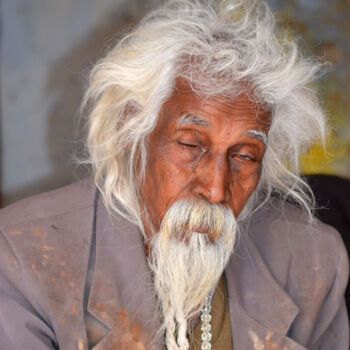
x: 69, y: 271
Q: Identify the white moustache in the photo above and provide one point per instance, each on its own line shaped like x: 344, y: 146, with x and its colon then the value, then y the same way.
x: 188, y: 216
x: 186, y: 270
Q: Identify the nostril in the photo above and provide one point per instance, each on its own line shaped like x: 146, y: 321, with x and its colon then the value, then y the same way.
x: 203, y: 197
x: 227, y: 195
x: 211, y: 191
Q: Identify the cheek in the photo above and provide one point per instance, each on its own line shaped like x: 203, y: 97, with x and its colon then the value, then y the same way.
x: 168, y: 172
x: 244, y: 180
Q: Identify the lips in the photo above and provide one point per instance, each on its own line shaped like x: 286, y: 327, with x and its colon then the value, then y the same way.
x: 188, y: 217
x: 184, y: 233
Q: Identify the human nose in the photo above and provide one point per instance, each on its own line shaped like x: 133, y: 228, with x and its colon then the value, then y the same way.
x: 212, y: 180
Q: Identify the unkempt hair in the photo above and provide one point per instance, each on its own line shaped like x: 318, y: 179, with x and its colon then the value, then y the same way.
x: 221, y: 48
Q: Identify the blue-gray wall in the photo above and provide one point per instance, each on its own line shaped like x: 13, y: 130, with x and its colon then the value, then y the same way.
x: 47, y: 49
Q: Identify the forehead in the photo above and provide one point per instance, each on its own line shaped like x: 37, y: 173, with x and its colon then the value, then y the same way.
x: 185, y: 107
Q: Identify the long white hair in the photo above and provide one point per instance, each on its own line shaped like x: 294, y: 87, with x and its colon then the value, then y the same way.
x: 221, y: 48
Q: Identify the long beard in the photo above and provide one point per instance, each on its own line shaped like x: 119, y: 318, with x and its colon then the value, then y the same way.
x: 186, y: 264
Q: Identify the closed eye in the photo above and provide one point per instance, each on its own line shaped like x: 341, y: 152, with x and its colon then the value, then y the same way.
x: 191, y: 145
x: 243, y: 156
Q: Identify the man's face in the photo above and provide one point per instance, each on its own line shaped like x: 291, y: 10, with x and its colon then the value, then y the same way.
x: 209, y: 149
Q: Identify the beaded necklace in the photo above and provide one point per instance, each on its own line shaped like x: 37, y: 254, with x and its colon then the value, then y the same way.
x: 206, y: 323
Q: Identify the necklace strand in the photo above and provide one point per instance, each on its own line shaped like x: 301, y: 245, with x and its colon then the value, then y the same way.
x: 206, y: 323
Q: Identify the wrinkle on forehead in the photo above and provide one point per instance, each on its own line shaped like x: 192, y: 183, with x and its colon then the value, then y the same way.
x: 241, y: 104
x: 225, y: 103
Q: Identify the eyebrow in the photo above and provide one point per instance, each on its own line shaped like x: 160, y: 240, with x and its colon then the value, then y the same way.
x: 258, y: 134
x: 191, y: 119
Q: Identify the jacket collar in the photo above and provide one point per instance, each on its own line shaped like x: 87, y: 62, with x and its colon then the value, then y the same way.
x: 121, y: 281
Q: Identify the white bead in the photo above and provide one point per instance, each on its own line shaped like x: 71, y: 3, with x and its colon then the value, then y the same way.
x: 206, y: 336
x: 205, y: 327
x: 206, y: 318
x: 206, y: 346
x: 206, y: 308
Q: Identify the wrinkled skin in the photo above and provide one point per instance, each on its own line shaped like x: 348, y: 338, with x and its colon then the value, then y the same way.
x: 216, y: 157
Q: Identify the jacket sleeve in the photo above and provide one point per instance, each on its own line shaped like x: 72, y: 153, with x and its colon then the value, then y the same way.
x: 331, y: 330
x: 21, y: 325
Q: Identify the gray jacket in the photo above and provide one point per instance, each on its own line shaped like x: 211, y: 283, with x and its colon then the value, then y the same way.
x: 66, y: 266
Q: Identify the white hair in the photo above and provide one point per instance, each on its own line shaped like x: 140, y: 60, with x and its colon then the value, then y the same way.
x: 223, y: 48
x: 186, y: 265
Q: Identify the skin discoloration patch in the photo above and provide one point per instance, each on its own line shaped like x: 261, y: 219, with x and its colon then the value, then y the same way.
x: 128, y: 335
x: 256, y: 342
x: 13, y: 261
x: 60, y: 278
x: 13, y: 231
x: 62, y: 320
x: 71, y: 284
x: 266, y: 344
x: 102, y: 311
x: 269, y: 336
x: 52, y: 263
x: 38, y: 232
x: 75, y: 308
x: 45, y: 247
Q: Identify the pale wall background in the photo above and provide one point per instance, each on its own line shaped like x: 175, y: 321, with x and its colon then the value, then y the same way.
x: 47, y: 48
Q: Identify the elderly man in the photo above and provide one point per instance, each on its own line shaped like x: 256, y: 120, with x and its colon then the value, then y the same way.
x: 197, y: 231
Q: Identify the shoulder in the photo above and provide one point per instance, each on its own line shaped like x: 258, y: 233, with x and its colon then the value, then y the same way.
x: 45, y: 245
x: 40, y: 223
x: 48, y: 221
x: 309, y: 261
x: 50, y: 214
x: 47, y: 235
x: 69, y: 198
x: 294, y: 248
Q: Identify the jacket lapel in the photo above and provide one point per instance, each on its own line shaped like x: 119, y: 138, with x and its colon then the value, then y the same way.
x: 121, y: 293
x: 261, y: 311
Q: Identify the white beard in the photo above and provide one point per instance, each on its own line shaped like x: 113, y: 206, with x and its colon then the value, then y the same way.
x: 186, y: 265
